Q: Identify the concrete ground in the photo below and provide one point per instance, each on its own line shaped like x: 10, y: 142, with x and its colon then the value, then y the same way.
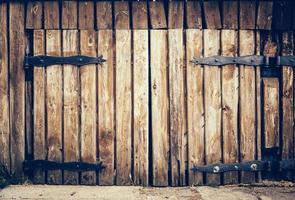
x: 262, y: 191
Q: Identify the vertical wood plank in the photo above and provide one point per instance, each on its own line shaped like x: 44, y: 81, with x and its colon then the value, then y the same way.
x: 282, y: 15
x: 104, y: 15
x: 212, y: 86
x: 247, y: 14
x: 88, y: 105
x: 71, y: 106
x: 157, y: 15
x: 122, y: 15
x: 69, y: 15
x: 212, y: 14
x: 230, y: 95
x: 39, y: 106
x: 139, y: 15
x: 123, y: 106
x: 195, y: 105
x: 34, y: 15
x: 160, y: 107
x: 17, y: 85
x: 175, y: 14
x: 86, y: 15
x: 230, y: 14
x: 51, y: 14
x: 193, y: 15
x: 141, y: 103
x: 106, y: 103
x: 264, y: 15
x: 178, y: 129
x: 54, y: 105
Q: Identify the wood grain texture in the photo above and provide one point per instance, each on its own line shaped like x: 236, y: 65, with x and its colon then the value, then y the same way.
x: 54, y: 105
x: 212, y: 97
x: 17, y: 44
x: 104, y: 15
x: 157, y: 15
x: 71, y: 112
x: 69, y: 15
x: 230, y: 14
x: 193, y: 15
x: 264, y: 15
x: 176, y: 14
x: 40, y: 150
x: 139, y: 15
x: 86, y: 15
x: 122, y: 15
x: 123, y: 107
x: 88, y: 105
x: 51, y: 14
x: 4, y: 90
x: 247, y: 104
x: 178, y: 129
x: 34, y: 15
x: 212, y: 14
x: 140, y: 106
x: 195, y: 105
x: 230, y: 96
x: 160, y: 107
x: 106, y: 110
x: 247, y: 14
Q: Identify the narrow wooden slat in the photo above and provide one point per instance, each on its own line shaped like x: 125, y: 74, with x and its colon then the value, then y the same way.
x: 230, y: 95
x: 121, y: 15
x: 160, y: 107
x: 86, y: 15
x: 247, y: 104
x: 70, y: 106
x: 51, y: 14
x: 17, y: 85
x: 123, y: 107
x: 195, y: 105
x: 230, y: 14
x: 4, y: 90
x: 88, y: 105
x: 212, y: 14
x: 178, y: 129
x: 69, y: 15
x: 106, y: 111
x: 212, y: 104
x: 39, y: 106
x: 141, y: 103
x: 264, y: 15
x: 282, y: 15
x: 157, y: 15
x: 175, y: 14
x: 34, y: 15
x: 193, y: 15
x: 247, y: 14
x: 54, y: 105
x: 104, y: 15
x: 139, y: 15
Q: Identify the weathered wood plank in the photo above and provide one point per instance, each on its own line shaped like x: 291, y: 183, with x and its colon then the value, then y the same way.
x: 54, y: 105
x: 178, y: 129
x: 39, y: 107
x: 157, y: 15
x: 122, y: 15
x: 212, y: 14
x: 195, y: 105
x: 123, y: 106
x: 69, y: 15
x: 141, y: 103
x: 51, y: 14
x: 139, y: 15
x: 176, y: 14
x: 193, y: 15
x: 282, y: 15
x: 212, y: 97
x: 230, y: 96
x: 17, y: 85
x: 264, y: 15
x: 247, y: 14
x: 71, y: 105
x: 104, y: 15
x: 34, y: 15
x: 106, y: 109
x: 230, y: 14
x: 160, y: 107
x: 86, y: 15
x: 88, y: 105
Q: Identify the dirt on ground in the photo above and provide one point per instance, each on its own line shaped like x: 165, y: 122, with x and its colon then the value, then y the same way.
x: 261, y: 191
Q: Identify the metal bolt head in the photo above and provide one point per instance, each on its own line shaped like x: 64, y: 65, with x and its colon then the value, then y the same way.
x: 216, y: 169
x: 253, y: 167
x: 216, y: 60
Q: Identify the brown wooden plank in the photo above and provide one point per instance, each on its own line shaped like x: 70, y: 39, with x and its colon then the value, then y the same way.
x: 86, y: 15
x: 104, y: 15
x: 4, y: 90
x: 247, y: 14
x: 17, y: 85
x: 123, y: 107
x: 70, y: 106
x: 264, y: 15
x: 193, y: 14
x: 51, y: 14
x: 139, y: 15
x: 106, y: 110
x: 178, y: 129
x: 88, y: 105
x: 34, y: 15
x: 212, y: 84
x: 195, y: 105
x: 247, y: 104
x: 212, y: 14
x: 160, y: 107
x: 157, y: 15
x: 121, y: 15
x: 230, y: 96
x: 282, y: 15
x: 69, y: 15
x: 175, y: 14
x: 230, y: 14
x: 141, y: 110
x: 54, y: 105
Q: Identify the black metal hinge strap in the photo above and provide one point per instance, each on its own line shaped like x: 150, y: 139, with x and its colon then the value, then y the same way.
x: 71, y: 166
